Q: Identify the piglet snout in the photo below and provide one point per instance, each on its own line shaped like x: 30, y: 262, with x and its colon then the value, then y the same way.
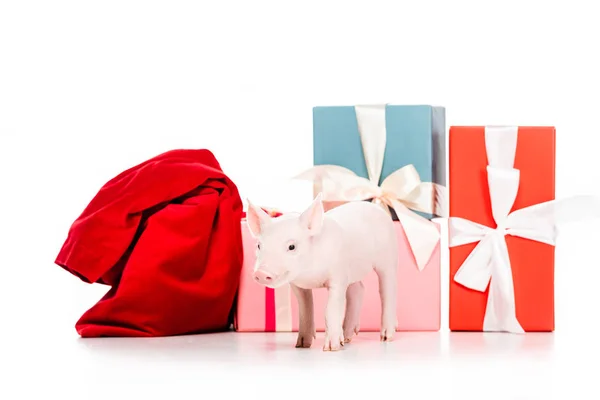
x: 263, y: 277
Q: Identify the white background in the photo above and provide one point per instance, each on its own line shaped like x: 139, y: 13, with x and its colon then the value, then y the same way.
x: 88, y: 89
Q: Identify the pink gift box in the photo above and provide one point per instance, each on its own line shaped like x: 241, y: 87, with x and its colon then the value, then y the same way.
x: 260, y: 309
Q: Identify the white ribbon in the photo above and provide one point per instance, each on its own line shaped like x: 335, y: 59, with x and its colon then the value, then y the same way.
x: 402, y: 190
x: 489, y: 262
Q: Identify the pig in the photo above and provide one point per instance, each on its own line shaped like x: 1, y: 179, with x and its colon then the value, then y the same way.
x: 333, y: 250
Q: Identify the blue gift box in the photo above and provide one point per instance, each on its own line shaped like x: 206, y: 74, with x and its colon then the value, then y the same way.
x: 415, y: 134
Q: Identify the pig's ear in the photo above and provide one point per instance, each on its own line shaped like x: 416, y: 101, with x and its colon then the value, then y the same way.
x: 312, y: 218
x: 257, y: 218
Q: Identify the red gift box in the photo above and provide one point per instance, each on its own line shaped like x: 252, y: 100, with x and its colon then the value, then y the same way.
x: 486, y: 164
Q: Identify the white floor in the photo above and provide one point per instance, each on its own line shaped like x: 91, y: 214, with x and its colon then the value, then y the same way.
x: 236, y: 365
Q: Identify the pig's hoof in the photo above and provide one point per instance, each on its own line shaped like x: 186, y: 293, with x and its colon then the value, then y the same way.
x: 305, y: 340
x: 349, y: 333
x: 333, y: 342
x: 387, y: 334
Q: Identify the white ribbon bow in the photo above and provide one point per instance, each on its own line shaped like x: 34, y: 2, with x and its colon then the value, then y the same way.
x: 489, y: 261
x: 402, y: 190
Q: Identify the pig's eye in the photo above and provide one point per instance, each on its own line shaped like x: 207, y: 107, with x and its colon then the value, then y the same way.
x: 292, y: 247
x: 258, y: 246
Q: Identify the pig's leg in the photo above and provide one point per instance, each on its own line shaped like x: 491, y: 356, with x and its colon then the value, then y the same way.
x: 334, y: 316
x: 387, y: 291
x: 354, y: 298
x: 306, y: 323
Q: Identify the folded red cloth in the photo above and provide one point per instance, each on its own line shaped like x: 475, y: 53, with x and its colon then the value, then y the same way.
x: 166, y: 236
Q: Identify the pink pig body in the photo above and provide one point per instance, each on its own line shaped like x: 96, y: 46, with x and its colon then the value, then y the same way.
x: 333, y: 250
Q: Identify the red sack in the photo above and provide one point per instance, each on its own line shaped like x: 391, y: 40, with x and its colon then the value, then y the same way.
x: 166, y: 236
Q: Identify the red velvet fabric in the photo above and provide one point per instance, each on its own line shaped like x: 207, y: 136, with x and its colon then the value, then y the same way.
x: 165, y: 235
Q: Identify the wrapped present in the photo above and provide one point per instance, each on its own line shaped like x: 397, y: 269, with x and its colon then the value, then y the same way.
x: 262, y: 309
x: 502, y: 227
x: 361, y: 138
x: 401, y: 193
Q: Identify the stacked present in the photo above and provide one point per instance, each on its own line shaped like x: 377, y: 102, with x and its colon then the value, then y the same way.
x: 391, y: 155
x: 502, y: 219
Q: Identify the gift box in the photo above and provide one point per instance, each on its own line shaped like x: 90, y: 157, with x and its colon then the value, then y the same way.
x: 501, y: 228
x: 359, y: 137
x: 261, y: 309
